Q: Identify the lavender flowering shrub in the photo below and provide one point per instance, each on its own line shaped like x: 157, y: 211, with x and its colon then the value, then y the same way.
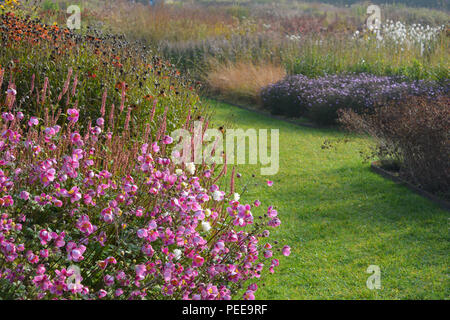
x: 319, y: 99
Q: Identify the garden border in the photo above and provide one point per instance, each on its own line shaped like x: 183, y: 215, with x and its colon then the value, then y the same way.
x: 389, y: 175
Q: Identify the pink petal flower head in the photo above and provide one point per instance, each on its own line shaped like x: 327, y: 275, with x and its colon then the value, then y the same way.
x: 118, y: 292
x: 84, y: 225
x: 269, y: 183
x: 249, y: 295
x: 40, y: 269
x: 101, y: 293
x: 142, y: 233
x: 155, y: 147
x: 148, y: 250
x: 198, y: 261
x: 286, y: 250
x: 7, y: 116
x: 111, y: 260
x: 43, y: 253
x: 45, y: 236
x: 11, y: 91
x: 140, y: 270
x: 76, y: 139
x: 24, y: 195
x: 33, y: 121
x: 48, y: 177
x: 109, y: 280
x: 253, y: 287
x: 50, y: 131
x: 100, y: 122
x: 167, y: 140
x: 73, y: 115
x: 75, y: 253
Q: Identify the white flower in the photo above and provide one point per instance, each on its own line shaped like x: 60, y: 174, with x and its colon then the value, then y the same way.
x: 236, y: 196
x: 11, y: 91
x: 190, y: 167
x: 178, y: 172
x: 177, y: 253
x: 218, y: 195
x: 207, y: 213
x: 206, y: 226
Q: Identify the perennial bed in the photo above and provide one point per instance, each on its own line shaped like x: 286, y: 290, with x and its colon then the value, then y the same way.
x: 95, y: 213
x: 93, y: 202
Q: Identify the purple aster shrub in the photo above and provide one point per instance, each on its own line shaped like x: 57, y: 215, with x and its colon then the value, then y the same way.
x: 319, y: 99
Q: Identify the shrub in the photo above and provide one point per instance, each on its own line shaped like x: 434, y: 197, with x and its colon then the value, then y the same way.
x: 319, y: 99
x: 96, y: 212
x: 242, y: 81
x: 414, y: 133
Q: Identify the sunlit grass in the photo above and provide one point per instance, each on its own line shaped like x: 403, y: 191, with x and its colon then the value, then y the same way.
x: 339, y: 218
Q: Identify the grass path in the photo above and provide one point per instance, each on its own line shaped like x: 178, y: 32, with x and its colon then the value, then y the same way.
x: 339, y: 218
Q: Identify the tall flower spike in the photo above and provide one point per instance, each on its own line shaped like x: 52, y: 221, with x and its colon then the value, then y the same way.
x: 67, y: 100
x: 44, y: 90
x: 127, y: 120
x: 11, y: 96
x: 2, y: 72
x: 147, y: 133
x: 152, y: 115
x: 102, y: 109
x: 66, y: 84
x: 111, y: 118
x: 122, y: 101
x: 232, y: 182
x: 224, y: 169
x: 32, y: 82
x: 87, y: 135
x: 46, y: 123
x: 10, y: 79
x: 75, y: 83
x: 188, y: 119
x: 162, y: 129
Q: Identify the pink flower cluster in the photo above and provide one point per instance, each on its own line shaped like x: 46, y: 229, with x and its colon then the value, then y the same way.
x: 148, y: 229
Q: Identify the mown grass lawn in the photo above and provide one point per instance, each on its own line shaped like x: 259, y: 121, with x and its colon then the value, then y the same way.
x: 339, y: 218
